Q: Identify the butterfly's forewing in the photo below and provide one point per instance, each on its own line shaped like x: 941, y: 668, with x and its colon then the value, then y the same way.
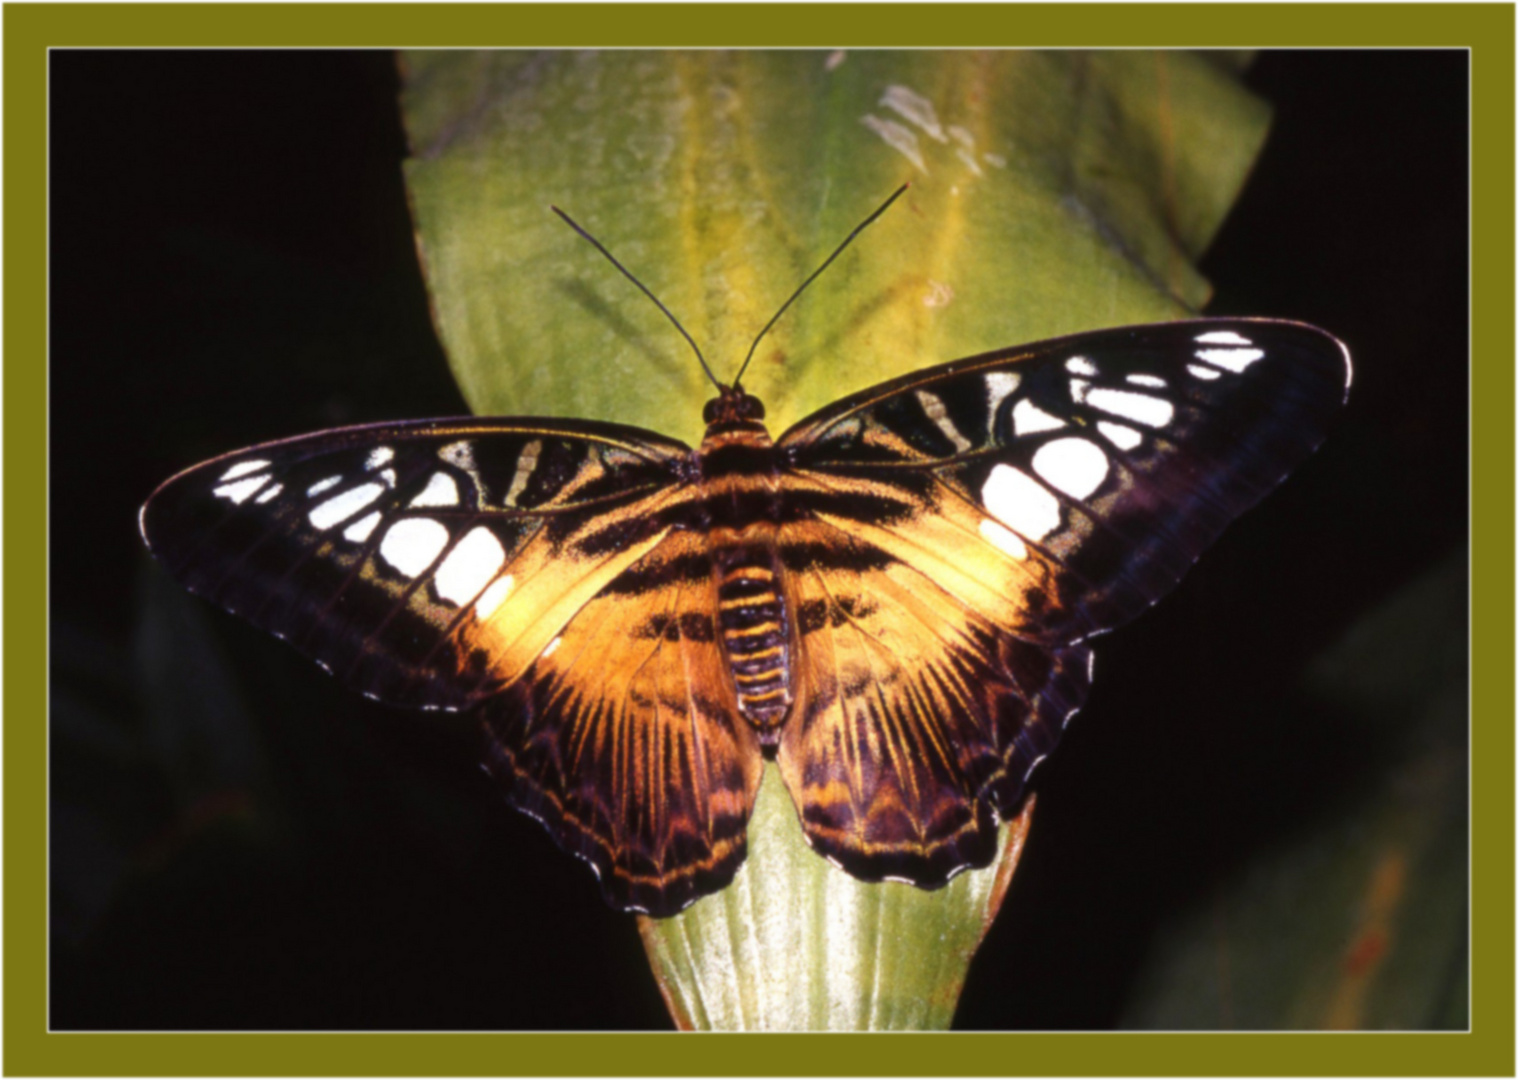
x: 424, y: 564
x: 441, y: 564
x: 1065, y: 486
x: 1002, y: 509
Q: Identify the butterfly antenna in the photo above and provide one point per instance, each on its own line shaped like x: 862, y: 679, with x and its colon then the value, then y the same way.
x: 837, y: 252
x: 628, y: 274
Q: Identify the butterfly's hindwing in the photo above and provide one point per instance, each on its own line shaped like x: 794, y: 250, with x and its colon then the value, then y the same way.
x: 624, y: 736
x: 917, y: 717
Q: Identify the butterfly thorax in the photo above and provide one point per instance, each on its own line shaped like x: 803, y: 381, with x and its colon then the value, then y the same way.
x: 740, y: 480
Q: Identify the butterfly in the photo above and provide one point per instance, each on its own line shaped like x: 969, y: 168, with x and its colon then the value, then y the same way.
x: 893, y: 601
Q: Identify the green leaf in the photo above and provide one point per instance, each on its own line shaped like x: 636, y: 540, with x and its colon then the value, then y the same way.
x: 795, y: 944
x: 1051, y: 192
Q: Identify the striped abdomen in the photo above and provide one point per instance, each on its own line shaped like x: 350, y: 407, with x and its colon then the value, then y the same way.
x: 754, y: 629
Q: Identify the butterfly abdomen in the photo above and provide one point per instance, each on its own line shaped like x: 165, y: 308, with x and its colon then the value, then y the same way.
x: 741, y: 487
x: 755, y: 632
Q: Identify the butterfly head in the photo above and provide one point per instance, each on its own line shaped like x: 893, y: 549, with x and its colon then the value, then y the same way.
x: 733, y: 406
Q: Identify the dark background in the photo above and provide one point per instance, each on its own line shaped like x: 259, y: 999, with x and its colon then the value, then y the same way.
x: 238, y: 842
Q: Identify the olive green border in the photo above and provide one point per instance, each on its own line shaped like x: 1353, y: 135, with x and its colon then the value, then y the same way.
x: 1487, y: 29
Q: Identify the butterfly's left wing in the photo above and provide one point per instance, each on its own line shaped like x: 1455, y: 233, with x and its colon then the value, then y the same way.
x: 539, y: 570
x: 983, y: 519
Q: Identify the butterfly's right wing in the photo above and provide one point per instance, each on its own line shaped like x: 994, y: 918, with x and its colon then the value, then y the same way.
x: 961, y: 532
x: 508, y: 564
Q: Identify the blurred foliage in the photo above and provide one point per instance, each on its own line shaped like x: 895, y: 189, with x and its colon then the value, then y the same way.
x: 1358, y: 922
x: 133, y: 797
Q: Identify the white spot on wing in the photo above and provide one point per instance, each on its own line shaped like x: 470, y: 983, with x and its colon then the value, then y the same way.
x: 493, y: 598
x: 527, y: 462
x: 844, y: 431
x: 912, y: 106
x: 1235, y: 360
x: 998, y: 385
x: 961, y: 136
x: 440, y: 491
x: 932, y: 404
x: 461, y: 456
x: 996, y: 161
x: 1122, y: 436
x: 380, y: 455
x: 239, y: 490
x: 969, y: 160
x: 901, y: 139
x: 270, y: 494
x: 1075, y: 466
x: 1142, y: 408
x: 459, y: 453
x: 359, y: 531
x: 1029, y: 419
x: 1222, y: 337
x: 1079, y: 365
x: 412, y: 544
x: 553, y: 647
x: 243, y: 468
x: 617, y: 457
x: 474, y: 560
x: 342, y: 507
x: 1020, y: 502
x: 1202, y: 371
x: 1004, y: 538
x: 322, y: 485
x: 1148, y: 380
x: 388, y: 476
